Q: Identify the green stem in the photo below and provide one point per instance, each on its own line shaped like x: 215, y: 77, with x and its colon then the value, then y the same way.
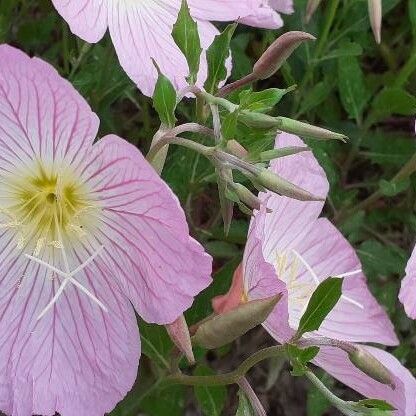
x: 84, y: 50
x: 408, y: 69
x: 228, y: 378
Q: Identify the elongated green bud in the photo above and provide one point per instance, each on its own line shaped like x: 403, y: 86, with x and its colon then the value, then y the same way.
x: 281, y: 186
x: 278, y: 52
x: 369, y: 365
x: 307, y: 130
x: 225, y: 328
x: 236, y: 149
x: 375, y: 10
x: 246, y: 196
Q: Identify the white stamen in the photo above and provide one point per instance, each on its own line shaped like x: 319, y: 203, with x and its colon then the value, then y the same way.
x: 54, y: 299
x: 309, y: 268
x: 69, y: 277
x: 353, y: 273
x: 88, y: 293
x: 89, y: 261
x: 354, y: 302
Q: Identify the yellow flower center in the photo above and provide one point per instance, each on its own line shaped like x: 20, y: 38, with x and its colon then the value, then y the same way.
x: 46, y: 205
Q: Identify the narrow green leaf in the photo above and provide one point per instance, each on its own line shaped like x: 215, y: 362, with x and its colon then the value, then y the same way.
x: 186, y: 36
x: 211, y: 399
x: 390, y: 188
x: 262, y: 101
x: 353, y: 91
x: 322, y: 302
x: 299, y: 358
x: 217, y: 55
x: 164, y: 100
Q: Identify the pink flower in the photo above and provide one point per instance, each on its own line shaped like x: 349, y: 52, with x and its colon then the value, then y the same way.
x: 407, y: 293
x: 292, y: 246
x: 87, y: 230
x: 141, y: 30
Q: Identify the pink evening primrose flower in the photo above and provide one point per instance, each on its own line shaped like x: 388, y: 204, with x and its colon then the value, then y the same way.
x: 291, y: 246
x: 141, y: 30
x: 86, y: 231
x: 407, y: 295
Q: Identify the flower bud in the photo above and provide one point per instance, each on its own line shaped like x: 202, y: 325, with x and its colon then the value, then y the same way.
x: 236, y: 149
x: 369, y: 365
x: 222, y: 329
x: 268, y: 155
x: 179, y: 334
x: 281, y: 186
x: 246, y: 196
x: 311, y: 9
x: 278, y: 52
x: 376, y: 15
x: 307, y: 130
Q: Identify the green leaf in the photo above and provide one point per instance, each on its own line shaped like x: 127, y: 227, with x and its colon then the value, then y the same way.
x: 156, y: 343
x: 186, y: 36
x: 315, y: 96
x: 376, y: 404
x: 229, y: 125
x: 320, y: 305
x: 390, y: 188
x: 262, y: 101
x: 211, y: 399
x: 244, y: 405
x: 299, y: 358
x: 217, y: 55
x: 353, y: 91
x: 347, y: 49
x: 164, y: 401
x: 164, y: 100
x: 412, y: 15
x: 392, y: 101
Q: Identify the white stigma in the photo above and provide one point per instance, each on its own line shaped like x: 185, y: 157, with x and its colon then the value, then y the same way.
x: 68, y: 277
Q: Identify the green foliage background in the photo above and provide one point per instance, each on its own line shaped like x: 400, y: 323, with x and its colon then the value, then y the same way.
x: 345, y: 82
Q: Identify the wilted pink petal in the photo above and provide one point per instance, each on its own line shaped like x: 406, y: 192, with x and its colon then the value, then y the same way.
x: 179, y: 333
x: 403, y: 397
x: 407, y: 293
x: 142, y: 30
x: 86, y: 230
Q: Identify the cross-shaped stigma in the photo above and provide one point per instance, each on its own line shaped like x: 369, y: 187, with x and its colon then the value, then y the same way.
x: 68, y: 277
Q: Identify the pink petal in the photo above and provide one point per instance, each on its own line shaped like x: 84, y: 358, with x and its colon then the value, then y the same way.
x: 290, y: 219
x: 329, y: 254
x: 86, y: 18
x: 41, y: 115
x: 77, y: 359
x: 144, y: 232
x: 223, y: 10
x: 403, y: 398
x: 264, y: 17
x: 233, y: 298
x: 282, y: 6
x: 407, y: 295
x: 261, y: 280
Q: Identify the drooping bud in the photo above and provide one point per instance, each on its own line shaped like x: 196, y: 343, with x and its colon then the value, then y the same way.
x: 225, y: 176
x: 179, y: 334
x: 278, y: 52
x: 311, y: 9
x: 375, y: 10
x: 281, y: 186
x: 369, y: 365
x: 308, y: 130
x: 236, y: 149
x: 246, y: 196
x: 225, y: 328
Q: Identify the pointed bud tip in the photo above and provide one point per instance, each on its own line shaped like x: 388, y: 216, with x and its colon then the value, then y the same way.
x: 371, y: 366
